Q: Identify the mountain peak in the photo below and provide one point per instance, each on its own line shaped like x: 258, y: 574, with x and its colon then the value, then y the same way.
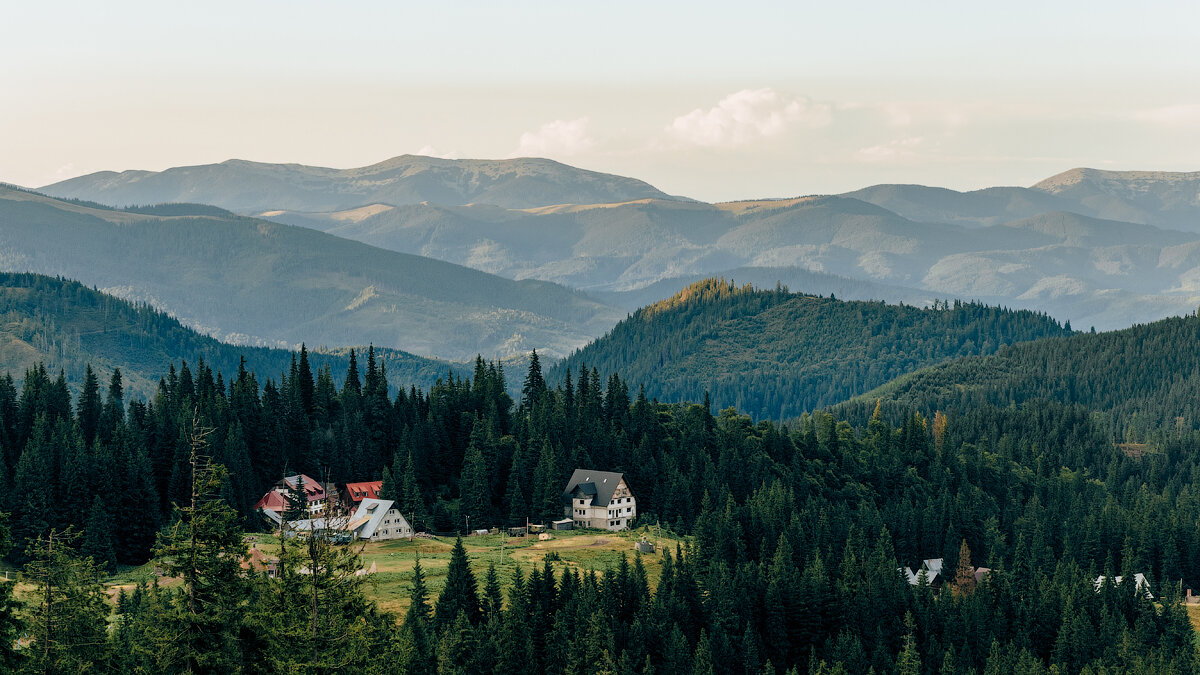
x: 256, y: 187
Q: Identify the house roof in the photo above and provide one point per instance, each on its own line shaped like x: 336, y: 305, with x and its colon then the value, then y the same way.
x: 313, y: 490
x: 272, y: 501
x: 914, y: 578
x: 933, y: 565
x: 258, y: 561
x: 373, y: 511
x: 368, y: 489
x: 601, y: 484
x: 1139, y: 582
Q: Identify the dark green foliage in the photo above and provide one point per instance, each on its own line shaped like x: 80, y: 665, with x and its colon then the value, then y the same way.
x: 460, y: 596
x: 776, y: 354
x: 66, y: 619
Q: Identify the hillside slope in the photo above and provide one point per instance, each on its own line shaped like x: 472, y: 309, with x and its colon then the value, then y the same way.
x: 776, y: 354
x: 248, y: 187
x: 255, y: 282
x: 66, y: 326
x: 1144, y: 377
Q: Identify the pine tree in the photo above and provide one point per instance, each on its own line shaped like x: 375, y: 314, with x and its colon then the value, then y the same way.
x: 89, y: 407
x: 964, y: 573
x: 460, y: 594
x: 98, y: 535
x: 11, y: 625
x: 203, y: 547
x: 410, y: 501
x: 67, y: 620
x: 418, y: 653
x: 474, y: 484
x: 535, y: 385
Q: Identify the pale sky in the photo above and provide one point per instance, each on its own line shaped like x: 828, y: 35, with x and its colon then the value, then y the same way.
x: 713, y: 100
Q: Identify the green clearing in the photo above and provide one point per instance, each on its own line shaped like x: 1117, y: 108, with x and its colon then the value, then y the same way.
x: 581, y: 550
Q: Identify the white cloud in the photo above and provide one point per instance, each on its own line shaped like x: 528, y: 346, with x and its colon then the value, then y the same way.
x: 430, y: 151
x: 746, y: 116
x: 901, y: 148
x: 1186, y: 114
x: 559, y: 138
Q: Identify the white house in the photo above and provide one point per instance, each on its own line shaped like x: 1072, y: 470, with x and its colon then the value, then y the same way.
x: 1140, y: 583
x: 378, y: 519
x: 599, y: 499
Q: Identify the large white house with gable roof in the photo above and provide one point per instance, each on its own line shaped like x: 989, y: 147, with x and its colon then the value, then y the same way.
x: 378, y: 519
x: 599, y: 499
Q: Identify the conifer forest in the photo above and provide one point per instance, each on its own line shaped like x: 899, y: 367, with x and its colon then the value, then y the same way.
x: 797, y: 540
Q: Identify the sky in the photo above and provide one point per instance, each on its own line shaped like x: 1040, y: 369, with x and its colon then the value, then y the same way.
x: 714, y: 101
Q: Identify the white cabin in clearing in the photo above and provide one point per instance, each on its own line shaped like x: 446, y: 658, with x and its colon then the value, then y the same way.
x: 378, y: 519
x: 599, y: 499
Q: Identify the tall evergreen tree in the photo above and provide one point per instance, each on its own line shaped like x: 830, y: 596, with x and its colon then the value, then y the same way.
x: 460, y: 594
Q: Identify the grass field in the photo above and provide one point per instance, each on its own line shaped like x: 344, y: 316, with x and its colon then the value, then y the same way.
x: 393, y: 560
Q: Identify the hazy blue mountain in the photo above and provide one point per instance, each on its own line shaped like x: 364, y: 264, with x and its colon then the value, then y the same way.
x: 252, y: 187
x: 776, y: 354
x: 977, y: 208
x: 814, y: 283
x: 67, y: 326
x: 257, y: 282
x: 1090, y: 271
x: 1163, y: 198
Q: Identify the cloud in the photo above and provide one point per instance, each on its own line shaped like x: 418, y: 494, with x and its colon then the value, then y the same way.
x: 558, y: 138
x: 901, y: 148
x: 430, y: 151
x: 747, y: 116
x: 1186, y: 114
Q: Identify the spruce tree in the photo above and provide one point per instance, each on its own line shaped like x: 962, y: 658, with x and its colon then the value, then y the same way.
x: 460, y: 594
x: 98, y: 535
x: 67, y: 617
x: 11, y: 624
x: 201, y: 621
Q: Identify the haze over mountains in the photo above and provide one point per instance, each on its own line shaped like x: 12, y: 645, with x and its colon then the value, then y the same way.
x: 1098, y: 248
x: 246, y: 187
x: 256, y: 282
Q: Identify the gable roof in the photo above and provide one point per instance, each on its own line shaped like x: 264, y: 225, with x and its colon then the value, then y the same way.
x: 272, y: 501
x: 313, y: 491
x: 369, y: 516
x: 367, y: 489
x: 602, y: 484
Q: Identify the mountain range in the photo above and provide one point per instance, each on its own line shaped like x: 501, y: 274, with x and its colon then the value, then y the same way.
x: 251, y: 281
x: 247, y: 187
x: 1098, y: 248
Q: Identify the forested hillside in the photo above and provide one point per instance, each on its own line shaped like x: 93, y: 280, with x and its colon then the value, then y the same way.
x: 1139, y: 380
x: 797, y: 531
x: 776, y: 354
x: 67, y: 326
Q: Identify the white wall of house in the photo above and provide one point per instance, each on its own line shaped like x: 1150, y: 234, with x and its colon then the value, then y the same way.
x: 617, y: 515
x: 393, y: 526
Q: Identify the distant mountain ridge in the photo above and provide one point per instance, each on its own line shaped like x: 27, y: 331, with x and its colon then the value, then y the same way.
x: 257, y: 282
x: 1092, y: 271
x: 1081, y: 245
x: 248, y: 187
